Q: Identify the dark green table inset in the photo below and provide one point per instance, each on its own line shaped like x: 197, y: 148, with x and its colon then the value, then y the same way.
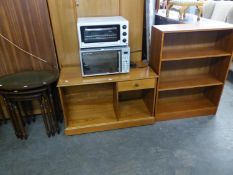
x: 28, y: 80
x: 22, y: 88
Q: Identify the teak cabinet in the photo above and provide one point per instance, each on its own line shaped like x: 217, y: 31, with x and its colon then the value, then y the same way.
x: 104, y: 102
x: 192, y: 62
x: 107, y: 102
x: 64, y: 14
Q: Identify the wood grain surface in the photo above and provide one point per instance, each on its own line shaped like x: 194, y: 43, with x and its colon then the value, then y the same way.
x: 27, y: 24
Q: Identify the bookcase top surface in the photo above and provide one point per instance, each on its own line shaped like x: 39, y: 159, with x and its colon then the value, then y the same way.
x: 176, y: 28
x: 71, y: 76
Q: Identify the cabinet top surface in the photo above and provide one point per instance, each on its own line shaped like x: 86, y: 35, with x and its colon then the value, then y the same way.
x: 190, y: 23
x: 202, y: 26
x: 71, y: 76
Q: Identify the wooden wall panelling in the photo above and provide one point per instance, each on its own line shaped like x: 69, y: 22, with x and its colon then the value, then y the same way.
x: 27, y: 24
x: 136, y: 56
x: 133, y: 10
x: 90, y: 8
x: 63, y: 16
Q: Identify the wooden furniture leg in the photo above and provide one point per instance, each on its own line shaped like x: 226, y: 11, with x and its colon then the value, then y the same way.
x: 19, y: 99
x: 20, y: 121
x: 2, y: 115
x: 17, y: 119
x: 55, y: 101
x: 55, y: 107
x: 10, y: 110
x: 54, y: 112
x: 43, y: 111
x: 200, y: 11
x: 168, y: 9
x: 49, y: 115
x: 182, y: 12
x: 28, y: 111
x: 185, y: 10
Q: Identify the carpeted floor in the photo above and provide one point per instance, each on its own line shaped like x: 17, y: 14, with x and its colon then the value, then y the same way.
x: 199, y: 146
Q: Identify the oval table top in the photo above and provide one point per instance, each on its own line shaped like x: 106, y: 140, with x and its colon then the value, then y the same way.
x: 28, y: 80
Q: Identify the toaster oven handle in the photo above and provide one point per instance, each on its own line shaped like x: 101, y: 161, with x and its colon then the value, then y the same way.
x: 120, y: 61
x: 101, y: 29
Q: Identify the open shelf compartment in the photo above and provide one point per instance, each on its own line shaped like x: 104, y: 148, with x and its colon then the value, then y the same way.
x: 137, y: 104
x: 89, y: 105
x: 99, y: 107
x: 195, y: 45
x: 188, y: 103
x: 186, y: 74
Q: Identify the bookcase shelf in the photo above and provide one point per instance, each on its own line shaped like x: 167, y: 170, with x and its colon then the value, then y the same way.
x: 192, y: 64
x: 193, y: 73
x: 190, y: 81
x: 183, y: 104
x: 174, y: 53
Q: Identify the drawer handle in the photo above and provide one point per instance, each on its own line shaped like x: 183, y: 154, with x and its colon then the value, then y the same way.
x: 136, y: 85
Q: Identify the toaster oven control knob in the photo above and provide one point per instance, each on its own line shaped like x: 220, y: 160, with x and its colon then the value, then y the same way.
x: 124, y: 27
x: 124, y: 40
x: 124, y: 33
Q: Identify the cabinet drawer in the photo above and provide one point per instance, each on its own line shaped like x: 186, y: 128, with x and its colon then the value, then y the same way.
x: 136, y: 85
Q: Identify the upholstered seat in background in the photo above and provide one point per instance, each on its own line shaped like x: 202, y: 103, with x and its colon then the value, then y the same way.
x: 220, y: 11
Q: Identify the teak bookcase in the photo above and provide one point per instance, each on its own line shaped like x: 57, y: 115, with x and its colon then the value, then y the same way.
x: 107, y: 102
x: 192, y: 62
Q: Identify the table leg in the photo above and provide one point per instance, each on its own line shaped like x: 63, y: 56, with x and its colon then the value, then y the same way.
x: 10, y: 110
x: 50, y: 115
x: 200, y: 11
x: 56, y: 102
x: 182, y: 12
x: 20, y: 122
x: 55, y: 112
x: 168, y: 9
x: 42, y: 106
x: 2, y: 115
x: 28, y: 111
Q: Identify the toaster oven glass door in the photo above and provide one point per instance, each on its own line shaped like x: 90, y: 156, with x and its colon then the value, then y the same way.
x: 98, y: 34
x: 100, y: 62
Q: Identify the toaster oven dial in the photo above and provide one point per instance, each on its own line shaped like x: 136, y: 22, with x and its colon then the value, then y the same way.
x: 124, y: 33
x: 124, y: 27
x: 124, y: 40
